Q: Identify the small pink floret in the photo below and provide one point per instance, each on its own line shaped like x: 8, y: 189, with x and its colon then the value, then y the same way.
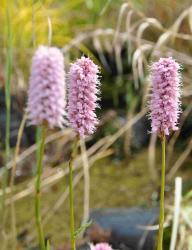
x: 101, y: 246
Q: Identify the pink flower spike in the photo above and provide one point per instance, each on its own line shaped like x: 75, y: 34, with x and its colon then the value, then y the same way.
x: 101, y: 246
x: 82, y: 96
x: 47, y: 89
x: 165, y: 99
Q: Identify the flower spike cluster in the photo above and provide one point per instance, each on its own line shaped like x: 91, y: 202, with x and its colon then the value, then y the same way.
x: 101, y: 246
x: 165, y: 99
x: 46, y: 95
x: 82, y: 95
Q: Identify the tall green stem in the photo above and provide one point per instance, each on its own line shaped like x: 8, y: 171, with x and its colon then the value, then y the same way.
x: 161, y: 213
x: 13, y: 170
x: 72, y: 220
x: 8, y: 72
x: 41, y: 148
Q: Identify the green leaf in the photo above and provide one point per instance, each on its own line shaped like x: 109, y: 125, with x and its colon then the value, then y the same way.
x: 48, y: 246
x: 82, y: 229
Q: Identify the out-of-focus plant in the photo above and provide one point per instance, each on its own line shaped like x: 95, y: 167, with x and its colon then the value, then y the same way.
x: 180, y: 214
x: 138, y: 39
x: 8, y: 73
x: 185, y: 225
x: 29, y: 20
x: 46, y: 109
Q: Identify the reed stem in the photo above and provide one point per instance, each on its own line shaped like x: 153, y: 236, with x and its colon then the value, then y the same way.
x: 13, y: 171
x: 8, y: 73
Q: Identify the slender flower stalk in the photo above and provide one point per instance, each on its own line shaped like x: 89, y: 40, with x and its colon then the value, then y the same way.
x: 82, y: 95
x: 161, y: 214
x: 164, y: 114
x: 41, y: 148
x: 85, y: 162
x: 46, y: 109
x: 71, y: 195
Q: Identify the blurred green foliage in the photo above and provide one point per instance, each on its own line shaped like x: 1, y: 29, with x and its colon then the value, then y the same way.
x: 165, y: 11
x: 29, y: 19
x: 69, y: 17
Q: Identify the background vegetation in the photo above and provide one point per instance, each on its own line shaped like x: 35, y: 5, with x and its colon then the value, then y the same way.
x: 123, y: 37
